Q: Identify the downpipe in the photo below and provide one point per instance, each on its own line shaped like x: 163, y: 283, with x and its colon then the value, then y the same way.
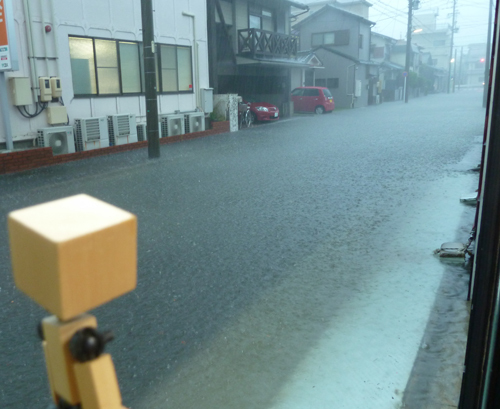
x: 31, y: 57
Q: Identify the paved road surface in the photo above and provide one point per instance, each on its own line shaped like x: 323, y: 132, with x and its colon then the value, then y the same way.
x: 284, y: 266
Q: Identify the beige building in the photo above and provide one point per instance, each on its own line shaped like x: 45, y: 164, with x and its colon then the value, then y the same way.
x: 358, y: 7
x: 432, y: 38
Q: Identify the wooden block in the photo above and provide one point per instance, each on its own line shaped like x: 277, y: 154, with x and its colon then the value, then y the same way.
x: 59, y: 360
x: 73, y: 254
x: 49, y: 372
x: 98, y: 384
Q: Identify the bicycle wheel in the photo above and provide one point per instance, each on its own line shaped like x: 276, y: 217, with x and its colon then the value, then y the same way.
x: 248, y: 119
x: 240, y: 120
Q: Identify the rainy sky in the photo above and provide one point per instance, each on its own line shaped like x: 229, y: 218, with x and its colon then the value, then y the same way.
x: 471, y: 17
x: 391, y: 17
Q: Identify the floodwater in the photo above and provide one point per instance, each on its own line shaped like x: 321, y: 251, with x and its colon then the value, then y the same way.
x: 285, y: 266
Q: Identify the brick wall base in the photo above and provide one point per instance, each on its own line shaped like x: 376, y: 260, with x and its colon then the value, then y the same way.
x: 38, y: 157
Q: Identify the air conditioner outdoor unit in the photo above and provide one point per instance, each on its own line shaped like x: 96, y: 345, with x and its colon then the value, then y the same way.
x: 60, y: 138
x: 142, y: 131
x: 91, y: 133
x: 122, y: 129
x: 195, y: 122
x: 173, y: 125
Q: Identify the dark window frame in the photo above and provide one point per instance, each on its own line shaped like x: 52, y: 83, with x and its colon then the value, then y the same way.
x: 339, y: 36
x: 330, y: 83
x: 261, y: 15
x: 141, y: 69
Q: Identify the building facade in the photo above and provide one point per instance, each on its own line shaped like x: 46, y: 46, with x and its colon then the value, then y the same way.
x: 473, y: 66
x: 390, y: 73
x: 342, y: 42
x: 94, y: 49
x: 252, y: 50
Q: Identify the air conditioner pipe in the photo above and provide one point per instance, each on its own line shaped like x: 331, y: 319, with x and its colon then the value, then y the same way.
x: 183, y: 112
x: 31, y: 57
x: 56, y: 38
x: 44, y: 39
x: 197, y: 90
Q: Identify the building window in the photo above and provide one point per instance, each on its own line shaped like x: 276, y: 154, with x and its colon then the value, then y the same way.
x: 108, y: 78
x: 130, y: 67
x: 168, y: 58
x: 360, y: 41
x: 81, y: 51
x: 260, y: 18
x: 176, y: 73
x: 184, y: 66
x: 340, y: 37
x: 330, y: 83
x: 112, y: 67
x: 378, y: 52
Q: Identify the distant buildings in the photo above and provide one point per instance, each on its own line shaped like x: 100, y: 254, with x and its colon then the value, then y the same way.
x: 473, y: 66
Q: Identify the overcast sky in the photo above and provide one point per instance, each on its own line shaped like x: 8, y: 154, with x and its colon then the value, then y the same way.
x: 391, y: 17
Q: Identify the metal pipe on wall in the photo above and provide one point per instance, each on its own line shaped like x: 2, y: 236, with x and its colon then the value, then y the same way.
x: 31, y: 57
x: 197, y: 88
x: 4, y: 105
x: 44, y: 38
x: 56, y: 38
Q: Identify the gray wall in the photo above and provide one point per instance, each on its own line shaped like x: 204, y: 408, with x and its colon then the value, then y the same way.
x: 333, y: 20
x: 336, y: 67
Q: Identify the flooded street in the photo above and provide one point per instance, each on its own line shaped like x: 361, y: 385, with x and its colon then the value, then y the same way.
x: 286, y: 266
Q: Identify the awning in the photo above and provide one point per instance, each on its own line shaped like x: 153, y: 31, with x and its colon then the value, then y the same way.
x: 311, y: 59
x: 391, y: 65
x: 272, y: 62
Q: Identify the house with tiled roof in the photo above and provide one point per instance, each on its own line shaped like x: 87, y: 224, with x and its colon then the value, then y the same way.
x: 341, y: 40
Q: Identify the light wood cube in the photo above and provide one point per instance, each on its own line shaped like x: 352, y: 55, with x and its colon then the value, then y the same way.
x: 73, y: 254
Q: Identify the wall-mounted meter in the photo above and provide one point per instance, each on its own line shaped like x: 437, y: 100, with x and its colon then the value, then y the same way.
x: 357, y: 88
x: 55, y: 85
x: 45, y: 89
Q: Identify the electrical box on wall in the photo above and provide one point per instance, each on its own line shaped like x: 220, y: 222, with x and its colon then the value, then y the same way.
x: 45, y: 89
x: 55, y: 85
x: 57, y: 115
x: 207, y: 100
x: 20, y: 91
x: 357, y: 89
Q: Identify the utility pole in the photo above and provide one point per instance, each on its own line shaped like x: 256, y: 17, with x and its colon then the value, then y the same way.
x: 451, y: 45
x: 460, y: 70
x: 487, y: 59
x: 408, y: 47
x: 455, y: 71
x: 150, y: 77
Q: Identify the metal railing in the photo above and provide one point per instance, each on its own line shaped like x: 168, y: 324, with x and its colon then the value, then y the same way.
x: 253, y: 42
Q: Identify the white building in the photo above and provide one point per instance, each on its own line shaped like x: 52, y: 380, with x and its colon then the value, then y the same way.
x: 94, y: 47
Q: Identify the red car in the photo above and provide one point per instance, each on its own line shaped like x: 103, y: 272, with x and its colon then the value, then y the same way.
x: 264, y: 111
x: 312, y: 99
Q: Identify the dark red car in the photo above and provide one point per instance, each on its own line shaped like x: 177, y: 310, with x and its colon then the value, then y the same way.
x: 312, y: 99
x: 264, y: 111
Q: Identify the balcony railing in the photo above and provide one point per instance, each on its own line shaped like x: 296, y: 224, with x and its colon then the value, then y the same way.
x: 253, y: 42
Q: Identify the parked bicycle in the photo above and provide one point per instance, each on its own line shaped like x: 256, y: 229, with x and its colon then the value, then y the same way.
x: 245, y: 118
